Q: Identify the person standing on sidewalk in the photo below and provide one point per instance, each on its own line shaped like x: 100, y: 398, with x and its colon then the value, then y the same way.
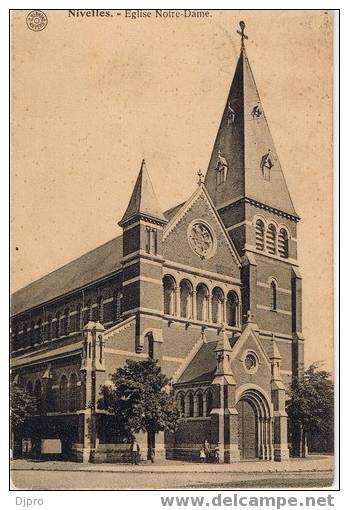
x: 207, y: 449
x: 134, y: 452
x: 202, y: 455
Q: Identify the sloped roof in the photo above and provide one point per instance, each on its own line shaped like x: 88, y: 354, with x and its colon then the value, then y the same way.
x: 143, y: 199
x: 78, y: 273
x: 93, y: 265
x: 202, y: 367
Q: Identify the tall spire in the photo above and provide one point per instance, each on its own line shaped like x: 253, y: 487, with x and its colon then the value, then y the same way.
x: 244, y: 141
x: 143, y: 201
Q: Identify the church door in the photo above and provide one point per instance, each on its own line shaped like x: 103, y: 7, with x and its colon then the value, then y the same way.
x: 248, y: 432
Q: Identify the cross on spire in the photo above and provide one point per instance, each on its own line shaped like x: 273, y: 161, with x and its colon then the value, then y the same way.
x: 200, y: 175
x: 242, y: 33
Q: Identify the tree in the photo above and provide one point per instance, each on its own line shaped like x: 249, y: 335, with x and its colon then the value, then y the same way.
x: 311, y: 405
x: 23, y: 405
x: 140, y: 400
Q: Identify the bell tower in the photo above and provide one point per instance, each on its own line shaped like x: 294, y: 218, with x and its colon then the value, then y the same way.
x: 247, y: 185
x: 142, y: 263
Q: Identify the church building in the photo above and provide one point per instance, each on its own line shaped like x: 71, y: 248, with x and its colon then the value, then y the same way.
x: 211, y: 288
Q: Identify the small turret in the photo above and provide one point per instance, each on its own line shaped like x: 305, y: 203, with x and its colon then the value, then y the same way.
x: 143, y: 224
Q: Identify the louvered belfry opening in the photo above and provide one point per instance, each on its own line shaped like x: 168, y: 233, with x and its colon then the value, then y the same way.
x: 260, y: 232
x: 271, y: 239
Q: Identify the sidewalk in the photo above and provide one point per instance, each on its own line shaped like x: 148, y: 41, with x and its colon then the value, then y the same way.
x: 315, y: 463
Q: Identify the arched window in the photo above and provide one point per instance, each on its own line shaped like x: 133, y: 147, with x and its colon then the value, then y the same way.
x: 186, y: 294
x: 117, y: 308
x: 232, y: 309
x: 283, y: 243
x: 202, y: 302
x: 82, y: 395
x: 73, y: 393
x: 169, y: 286
x: 260, y: 234
x: 57, y: 331
x: 209, y: 402
x: 25, y: 335
x: 63, y: 394
x: 15, y: 342
x: 32, y: 334
x: 100, y: 309
x: 78, y: 318
x: 29, y: 388
x: 190, y: 405
x: 87, y: 313
x: 38, y: 395
x: 19, y: 335
x: 49, y: 328
x: 150, y: 346
x: 273, y: 295
x: 181, y: 404
x: 96, y: 310
x: 64, y: 322
x: 271, y: 239
x: 217, y: 306
x: 50, y: 399
x: 151, y: 240
x: 38, y: 332
x: 200, y: 404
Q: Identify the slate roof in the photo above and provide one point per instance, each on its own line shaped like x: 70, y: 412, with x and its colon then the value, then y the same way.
x: 202, y: 367
x: 143, y: 199
x: 92, y: 266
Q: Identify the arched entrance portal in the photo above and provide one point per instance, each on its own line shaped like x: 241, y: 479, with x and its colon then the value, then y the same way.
x: 248, y: 426
x: 255, y: 426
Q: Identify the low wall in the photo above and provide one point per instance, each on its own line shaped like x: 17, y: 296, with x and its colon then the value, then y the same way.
x: 190, y: 453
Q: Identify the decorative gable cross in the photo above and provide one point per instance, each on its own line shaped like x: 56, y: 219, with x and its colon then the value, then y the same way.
x: 242, y: 33
x: 200, y: 176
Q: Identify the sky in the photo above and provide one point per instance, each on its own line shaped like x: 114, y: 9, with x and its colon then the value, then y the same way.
x: 92, y: 96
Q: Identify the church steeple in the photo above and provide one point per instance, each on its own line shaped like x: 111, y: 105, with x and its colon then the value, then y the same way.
x: 244, y: 162
x: 143, y: 201
x: 142, y: 250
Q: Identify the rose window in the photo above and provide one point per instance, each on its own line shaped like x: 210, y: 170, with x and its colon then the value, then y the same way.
x: 251, y: 362
x: 201, y: 240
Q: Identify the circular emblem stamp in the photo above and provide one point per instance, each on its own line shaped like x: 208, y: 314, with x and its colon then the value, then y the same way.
x: 37, y: 21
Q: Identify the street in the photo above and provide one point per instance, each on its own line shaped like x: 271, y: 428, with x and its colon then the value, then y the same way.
x: 313, y: 471
x: 59, y: 480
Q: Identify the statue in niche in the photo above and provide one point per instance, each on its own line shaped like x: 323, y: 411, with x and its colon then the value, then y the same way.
x: 266, y: 165
x: 231, y: 114
x: 221, y: 168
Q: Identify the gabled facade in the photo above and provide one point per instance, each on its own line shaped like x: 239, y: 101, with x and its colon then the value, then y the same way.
x: 210, y: 288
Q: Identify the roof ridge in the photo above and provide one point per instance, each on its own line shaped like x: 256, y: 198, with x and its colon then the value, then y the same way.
x: 65, y: 265
x: 84, y: 254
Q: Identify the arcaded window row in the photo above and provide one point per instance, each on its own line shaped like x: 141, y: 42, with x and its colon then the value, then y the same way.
x: 69, y: 398
x: 68, y: 321
x: 195, y: 403
x: 198, y: 303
